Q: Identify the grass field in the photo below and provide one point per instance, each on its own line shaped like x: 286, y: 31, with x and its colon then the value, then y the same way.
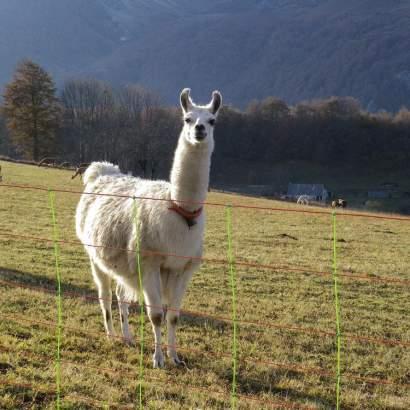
x: 282, y: 359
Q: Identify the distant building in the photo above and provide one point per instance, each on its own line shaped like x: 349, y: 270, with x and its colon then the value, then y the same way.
x: 315, y: 192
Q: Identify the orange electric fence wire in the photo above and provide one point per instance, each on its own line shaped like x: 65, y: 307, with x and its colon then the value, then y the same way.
x: 292, y: 367
x: 254, y: 207
x: 260, y: 324
x: 381, y: 279
x: 300, y: 369
x: 131, y: 374
x: 342, y: 213
x: 74, y: 397
x: 249, y: 264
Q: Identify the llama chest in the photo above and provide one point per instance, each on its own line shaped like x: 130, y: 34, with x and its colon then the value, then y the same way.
x: 170, y: 243
x: 174, y: 238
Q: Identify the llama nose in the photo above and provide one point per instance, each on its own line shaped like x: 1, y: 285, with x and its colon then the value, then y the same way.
x: 200, y: 133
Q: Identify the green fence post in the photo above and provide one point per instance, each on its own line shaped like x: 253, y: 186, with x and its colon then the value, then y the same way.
x: 337, y: 311
x: 51, y: 197
x: 141, y: 302
x: 232, y: 275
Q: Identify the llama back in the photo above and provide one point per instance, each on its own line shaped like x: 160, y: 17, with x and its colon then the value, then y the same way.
x: 97, y: 169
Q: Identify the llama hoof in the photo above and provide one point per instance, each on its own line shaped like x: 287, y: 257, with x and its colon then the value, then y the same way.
x: 176, y: 361
x: 158, y: 360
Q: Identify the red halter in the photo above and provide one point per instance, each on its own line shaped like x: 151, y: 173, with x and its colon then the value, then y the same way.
x: 187, y: 215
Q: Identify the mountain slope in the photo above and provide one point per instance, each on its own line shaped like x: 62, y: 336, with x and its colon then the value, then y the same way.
x: 64, y: 36
x: 296, y: 49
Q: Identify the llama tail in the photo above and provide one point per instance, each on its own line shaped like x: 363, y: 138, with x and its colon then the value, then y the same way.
x: 97, y: 169
x: 128, y: 293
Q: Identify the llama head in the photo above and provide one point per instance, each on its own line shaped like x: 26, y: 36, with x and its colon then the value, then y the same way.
x: 199, y: 120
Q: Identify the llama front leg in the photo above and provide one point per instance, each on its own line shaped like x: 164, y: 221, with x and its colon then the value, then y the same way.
x: 152, y: 295
x: 103, y: 283
x: 176, y: 286
x: 123, y: 305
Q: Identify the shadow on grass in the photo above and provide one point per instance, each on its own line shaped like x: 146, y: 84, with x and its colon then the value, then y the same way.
x: 43, y: 283
x: 268, y: 382
x: 48, y: 285
x: 263, y: 381
x: 26, y: 396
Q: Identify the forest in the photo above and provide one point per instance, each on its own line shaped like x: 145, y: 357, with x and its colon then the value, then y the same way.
x: 129, y: 125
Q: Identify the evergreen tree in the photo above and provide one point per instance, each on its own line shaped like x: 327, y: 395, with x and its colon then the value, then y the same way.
x: 32, y: 110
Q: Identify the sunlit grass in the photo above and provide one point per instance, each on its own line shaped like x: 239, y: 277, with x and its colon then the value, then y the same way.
x: 275, y: 363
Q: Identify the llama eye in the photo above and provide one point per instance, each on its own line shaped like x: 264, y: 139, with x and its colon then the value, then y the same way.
x: 211, y: 122
x: 188, y: 120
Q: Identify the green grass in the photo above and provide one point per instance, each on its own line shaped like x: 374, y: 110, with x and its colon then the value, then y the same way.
x: 274, y: 364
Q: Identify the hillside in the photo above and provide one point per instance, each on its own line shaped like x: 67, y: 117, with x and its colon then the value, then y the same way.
x: 286, y: 338
x: 350, y: 183
x: 295, y: 50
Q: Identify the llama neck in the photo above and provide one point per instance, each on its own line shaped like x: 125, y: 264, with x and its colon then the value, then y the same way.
x: 190, y: 173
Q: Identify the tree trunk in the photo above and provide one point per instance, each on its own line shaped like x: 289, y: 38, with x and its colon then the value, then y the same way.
x: 35, y: 142
x: 143, y: 165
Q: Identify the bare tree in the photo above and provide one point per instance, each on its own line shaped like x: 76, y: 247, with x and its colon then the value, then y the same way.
x: 86, y: 103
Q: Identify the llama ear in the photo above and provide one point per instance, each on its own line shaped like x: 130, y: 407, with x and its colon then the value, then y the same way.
x: 216, y: 102
x: 185, y: 99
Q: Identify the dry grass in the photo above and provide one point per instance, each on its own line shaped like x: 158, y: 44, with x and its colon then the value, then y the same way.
x: 270, y: 358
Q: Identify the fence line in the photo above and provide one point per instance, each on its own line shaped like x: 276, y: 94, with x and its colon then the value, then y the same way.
x: 231, y: 264
x: 140, y: 297
x: 129, y: 373
x: 366, y: 277
x: 337, y: 314
x: 259, y: 324
x: 233, y: 280
x: 342, y: 213
x: 52, y: 393
x: 252, y: 361
x: 216, y: 204
x: 59, y: 298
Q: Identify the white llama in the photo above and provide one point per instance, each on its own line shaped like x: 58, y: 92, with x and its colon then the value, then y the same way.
x: 171, y: 226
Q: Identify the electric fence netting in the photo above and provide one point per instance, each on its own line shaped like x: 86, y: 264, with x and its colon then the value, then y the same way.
x: 287, y: 299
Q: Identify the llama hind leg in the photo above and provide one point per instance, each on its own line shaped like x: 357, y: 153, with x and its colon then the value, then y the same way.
x: 103, y: 283
x: 123, y: 305
x: 176, y: 286
x: 152, y: 295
